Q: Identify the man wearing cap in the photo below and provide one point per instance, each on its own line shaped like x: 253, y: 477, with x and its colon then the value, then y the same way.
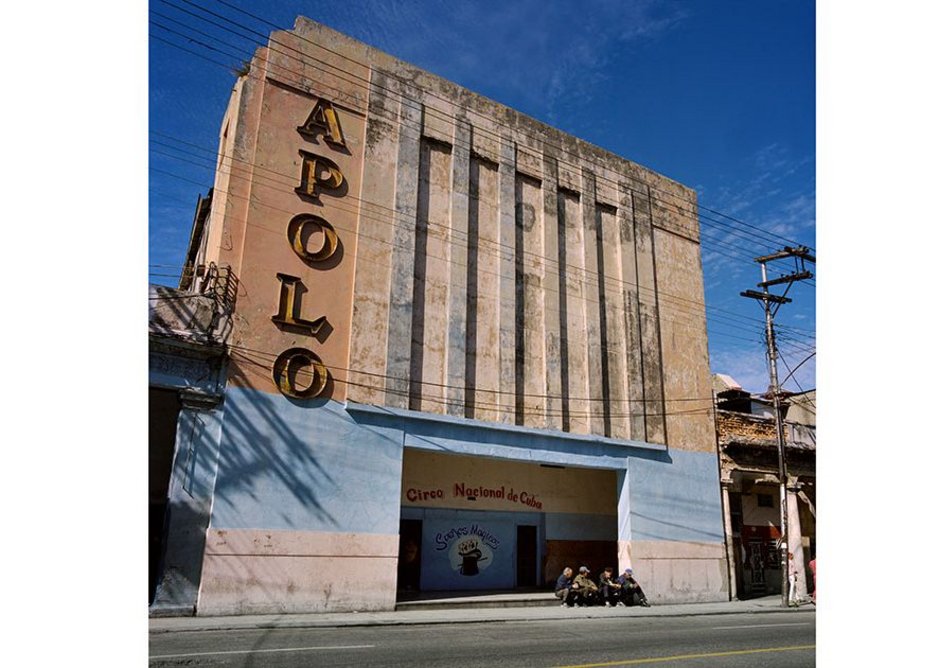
x: 629, y: 588
x: 586, y: 588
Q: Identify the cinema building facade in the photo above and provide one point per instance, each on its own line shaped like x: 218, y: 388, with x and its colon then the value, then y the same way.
x: 467, y: 350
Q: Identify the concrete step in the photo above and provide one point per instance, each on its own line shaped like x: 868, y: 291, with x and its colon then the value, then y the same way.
x: 475, y: 600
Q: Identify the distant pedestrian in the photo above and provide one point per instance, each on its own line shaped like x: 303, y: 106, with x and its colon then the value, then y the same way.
x: 630, y: 589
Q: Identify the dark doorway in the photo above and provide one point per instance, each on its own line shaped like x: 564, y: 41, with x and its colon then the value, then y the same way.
x: 409, y: 556
x: 527, y: 545
x: 164, y: 414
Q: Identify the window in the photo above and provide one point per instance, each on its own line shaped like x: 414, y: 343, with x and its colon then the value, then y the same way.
x: 764, y: 500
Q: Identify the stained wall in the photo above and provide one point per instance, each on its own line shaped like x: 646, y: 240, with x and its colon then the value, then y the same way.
x: 406, y: 244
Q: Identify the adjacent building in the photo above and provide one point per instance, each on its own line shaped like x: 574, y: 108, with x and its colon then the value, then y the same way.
x: 750, y: 475
x: 466, y: 350
x: 188, y: 361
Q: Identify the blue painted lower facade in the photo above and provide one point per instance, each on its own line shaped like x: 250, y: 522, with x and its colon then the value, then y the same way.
x: 287, y: 466
x: 677, y: 502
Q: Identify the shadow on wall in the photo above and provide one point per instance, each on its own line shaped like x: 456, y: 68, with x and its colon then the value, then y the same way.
x: 260, y: 450
x: 181, y: 559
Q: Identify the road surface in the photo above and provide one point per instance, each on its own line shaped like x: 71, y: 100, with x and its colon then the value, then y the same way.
x: 768, y: 639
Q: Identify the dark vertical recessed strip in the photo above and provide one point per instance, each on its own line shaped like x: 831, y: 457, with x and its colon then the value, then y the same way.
x: 519, y: 302
x: 604, y: 337
x: 658, y: 320
x: 420, y: 276
x: 642, y: 370
x: 401, y: 287
x: 472, y: 287
x: 562, y: 308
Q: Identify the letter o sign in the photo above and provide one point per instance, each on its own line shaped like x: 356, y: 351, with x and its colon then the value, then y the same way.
x: 295, y: 364
x: 302, y: 227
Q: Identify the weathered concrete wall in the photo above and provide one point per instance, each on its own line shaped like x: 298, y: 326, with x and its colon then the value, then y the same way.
x: 756, y: 515
x: 269, y: 174
x: 492, y: 266
x: 678, y: 572
x: 509, y: 280
x: 504, y: 270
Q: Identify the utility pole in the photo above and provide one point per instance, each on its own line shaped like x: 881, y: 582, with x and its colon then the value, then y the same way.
x: 801, y: 255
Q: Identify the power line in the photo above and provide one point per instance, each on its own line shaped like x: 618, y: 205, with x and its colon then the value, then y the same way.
x: 599, y: 177
x: 477, y: 404
x: 431, y: 111
x: 291, y: 181
x: 583, y: 282
x: 367, y: 83
x: 451, y: 386
x: 679, y: 211
x: 792, y: 372
x: 607, y: 349
x: 507, y: 254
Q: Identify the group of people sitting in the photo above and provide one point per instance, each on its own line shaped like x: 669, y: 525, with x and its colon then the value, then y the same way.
x: 583, y: 591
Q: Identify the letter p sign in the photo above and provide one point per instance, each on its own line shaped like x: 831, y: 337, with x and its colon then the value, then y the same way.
x: 319, y: 174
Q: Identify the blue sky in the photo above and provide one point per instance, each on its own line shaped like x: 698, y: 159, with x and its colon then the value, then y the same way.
x: 719, y: 96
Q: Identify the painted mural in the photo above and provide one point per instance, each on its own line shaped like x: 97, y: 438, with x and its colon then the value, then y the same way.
x: 468, y: 555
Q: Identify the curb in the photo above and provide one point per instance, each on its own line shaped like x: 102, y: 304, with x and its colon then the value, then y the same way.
x: 235, y: 625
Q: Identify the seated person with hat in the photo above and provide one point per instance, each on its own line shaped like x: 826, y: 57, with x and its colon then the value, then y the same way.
x: 586, y: 589
x: 630, y: 588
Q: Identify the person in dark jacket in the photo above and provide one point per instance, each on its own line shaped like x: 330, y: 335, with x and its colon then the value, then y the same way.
x: 609, y: 588
x: 562, y: 589
x: 631, y: 588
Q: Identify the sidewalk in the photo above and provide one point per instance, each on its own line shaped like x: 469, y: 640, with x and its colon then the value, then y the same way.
x: 464, y: 616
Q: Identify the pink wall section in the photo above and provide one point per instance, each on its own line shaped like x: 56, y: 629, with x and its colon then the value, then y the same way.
x: 262, y: 572
x: 259, y: 182
x: 677, y: 572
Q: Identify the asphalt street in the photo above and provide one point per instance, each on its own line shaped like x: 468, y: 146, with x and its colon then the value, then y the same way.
x: 769, y: 639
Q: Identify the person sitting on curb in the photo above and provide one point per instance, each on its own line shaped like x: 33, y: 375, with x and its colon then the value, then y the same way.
x: 562, y: 589
x: 586, y: 588
x: 631, y: 588
x: 609, y: 589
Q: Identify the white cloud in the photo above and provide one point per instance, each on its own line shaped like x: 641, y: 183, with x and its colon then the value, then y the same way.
x: 525, y: 48
x: 746, y: 365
